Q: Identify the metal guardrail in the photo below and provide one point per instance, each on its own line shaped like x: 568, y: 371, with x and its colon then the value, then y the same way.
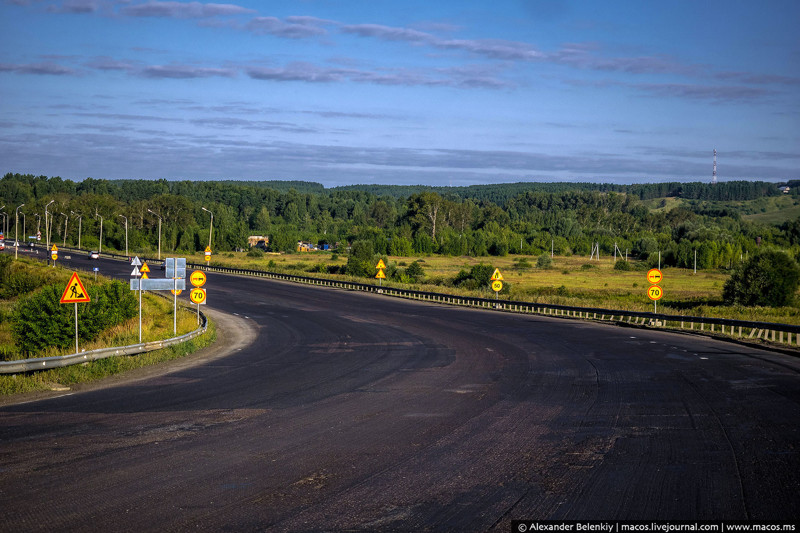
x: 45, y: 363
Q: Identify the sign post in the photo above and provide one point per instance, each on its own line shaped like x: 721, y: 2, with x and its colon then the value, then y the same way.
x: 208, y: 255
x: 136, y: 273
x: 380, y: 275
x: 654, y: 292
x: 497, y: 282
x: 54, y: 254
x: 198, y: 295
x: 75, y: 293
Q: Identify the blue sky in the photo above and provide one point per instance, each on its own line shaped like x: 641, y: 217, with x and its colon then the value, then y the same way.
x: 442, y: 93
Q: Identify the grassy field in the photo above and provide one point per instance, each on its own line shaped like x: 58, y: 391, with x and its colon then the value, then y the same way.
x: 573, y: 280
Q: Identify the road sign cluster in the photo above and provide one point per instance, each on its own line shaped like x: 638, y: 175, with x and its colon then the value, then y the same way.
x: 654, y: 276
x: 380, y: 275
x: 497, y: 280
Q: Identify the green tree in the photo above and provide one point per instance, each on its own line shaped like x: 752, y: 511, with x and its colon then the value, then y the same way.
x: 360, y: 262
x: 770, y: 278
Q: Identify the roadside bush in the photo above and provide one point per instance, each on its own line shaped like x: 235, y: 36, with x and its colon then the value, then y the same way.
x: 623, y: 265
x: 478, y: 276
x: 544, y: 262
x: 41, y: 321
x: 770, y: 278
x: 257, y: 253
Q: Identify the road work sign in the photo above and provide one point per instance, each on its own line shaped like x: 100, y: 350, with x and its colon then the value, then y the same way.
x: 74, y: 292
x: 496, y: 276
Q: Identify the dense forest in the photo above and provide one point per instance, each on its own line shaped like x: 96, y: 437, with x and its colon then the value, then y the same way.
x: 526, y: 218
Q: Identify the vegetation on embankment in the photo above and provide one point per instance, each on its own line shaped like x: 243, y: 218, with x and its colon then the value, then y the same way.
x: 34, y: 324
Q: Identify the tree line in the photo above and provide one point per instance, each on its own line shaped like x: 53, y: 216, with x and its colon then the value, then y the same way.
x: 518, y: 218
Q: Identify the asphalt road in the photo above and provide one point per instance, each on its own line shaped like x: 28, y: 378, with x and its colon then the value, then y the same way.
x: 358, y: 412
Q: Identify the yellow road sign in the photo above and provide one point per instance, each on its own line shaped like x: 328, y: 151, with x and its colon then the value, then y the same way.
x: 380, y: 275
x: 497, y: 285
x: 497, y: 276
x: 74, y: 292
x: 54, y: 256
x: 208, y: 249
x: 54, y: 248
x: 198, y: 278
x: 380, y: 264
x: 197, y: 296
x: 208, y: 257
x: 145, y: 269
x: 655, y: 292
x: 654, y: 276
x: 176, y: 292
x: 144, y: 275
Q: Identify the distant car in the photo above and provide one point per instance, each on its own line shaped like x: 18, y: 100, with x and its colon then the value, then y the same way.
x: 2, y: 245
x: 94, y: 255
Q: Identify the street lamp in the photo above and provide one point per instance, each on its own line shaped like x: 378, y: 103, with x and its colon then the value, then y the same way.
x: 16, y: 231
x: 211, y: 229
x: 66, y: 219
x: 46, y: 226
x: 126, y: 234
x: 80, y: 221
x: 96, y: 215
x: 159, y: 232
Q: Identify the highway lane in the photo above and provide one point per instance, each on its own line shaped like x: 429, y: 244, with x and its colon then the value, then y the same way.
x: 358, y: 412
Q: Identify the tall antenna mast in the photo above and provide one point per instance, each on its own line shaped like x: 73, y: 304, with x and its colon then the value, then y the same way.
x: 714, y: 173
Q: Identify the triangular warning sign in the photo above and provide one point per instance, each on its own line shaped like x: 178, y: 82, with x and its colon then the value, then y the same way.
x: 145, y: 269
x: 75, y: 292
x: 497, y: 276
x: 144, y: 274
x: 54, y: 248
x: 380, y: 275
x: 380, y: 264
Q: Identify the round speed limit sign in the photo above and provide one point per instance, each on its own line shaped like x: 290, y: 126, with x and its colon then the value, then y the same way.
x: 198, y: 296
x: 497, y: 285
x: 655, y: 292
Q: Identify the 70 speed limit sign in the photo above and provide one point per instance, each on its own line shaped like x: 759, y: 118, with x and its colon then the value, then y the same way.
x: 655, y: 292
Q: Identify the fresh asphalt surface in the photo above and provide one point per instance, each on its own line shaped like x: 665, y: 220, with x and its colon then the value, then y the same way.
x: 350, y: 411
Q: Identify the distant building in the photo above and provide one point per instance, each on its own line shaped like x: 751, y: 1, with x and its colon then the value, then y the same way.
x: 785, y: 189
x: 306, y: 247
x: 258, y: 241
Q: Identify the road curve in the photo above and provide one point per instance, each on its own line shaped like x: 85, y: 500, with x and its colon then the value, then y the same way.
x: 353, y: 411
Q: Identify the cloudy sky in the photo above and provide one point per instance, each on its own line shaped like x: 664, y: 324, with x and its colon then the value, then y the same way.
x: 434, y: 92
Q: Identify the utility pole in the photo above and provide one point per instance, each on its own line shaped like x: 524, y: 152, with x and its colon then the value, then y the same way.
x: 159, y: 232
x: 126, y: 235
x: 16, y: 232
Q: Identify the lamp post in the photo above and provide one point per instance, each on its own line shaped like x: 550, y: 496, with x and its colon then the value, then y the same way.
x: 80, y: 220
x: 126, y: 234
x: 66, y: 219
x: 211, y: 228
x: 2, y: 228
x: 159, y: 232
x: 47, y: 225
x: 16, y: 232
x: 96, y: 215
